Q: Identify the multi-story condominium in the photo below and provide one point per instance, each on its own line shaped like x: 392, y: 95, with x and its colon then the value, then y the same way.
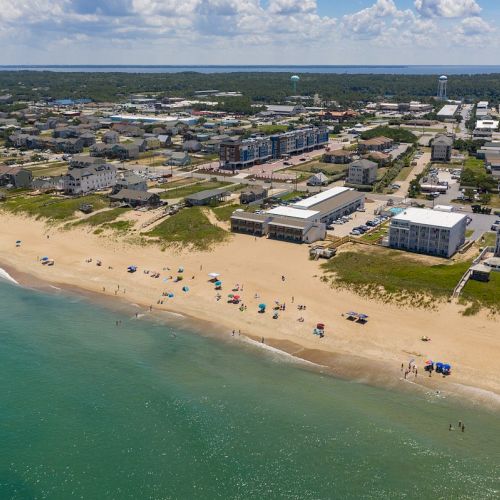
x: 86, y: 180
x: 242, y: 154
x: 375, y: 144
x: 428, y: 231
x: 362, y: 172
x: 441, y: 148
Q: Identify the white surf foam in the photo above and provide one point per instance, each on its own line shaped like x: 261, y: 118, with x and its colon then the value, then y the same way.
x: 7, y: 277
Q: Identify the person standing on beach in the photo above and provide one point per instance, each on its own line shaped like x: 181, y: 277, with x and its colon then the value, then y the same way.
x: 463, y: 428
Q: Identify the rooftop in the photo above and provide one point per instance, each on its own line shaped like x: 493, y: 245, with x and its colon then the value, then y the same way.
x: 320, y: 197
x: 296, y: 213
x: 448, y: 110
x: 429, y: 217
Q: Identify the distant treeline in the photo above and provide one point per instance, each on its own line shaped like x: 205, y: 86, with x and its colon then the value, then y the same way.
x: 257, y: 87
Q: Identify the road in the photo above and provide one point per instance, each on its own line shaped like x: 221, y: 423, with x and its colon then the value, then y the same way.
x: 418, y: 169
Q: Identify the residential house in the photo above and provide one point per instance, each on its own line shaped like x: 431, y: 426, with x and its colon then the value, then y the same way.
x: 136, y: 198
x: 339, y: 156
x: 180, y: 159
x: 252, y: 194
x: 319, y: 179
x: 130, y: 181
x: 362, y: 172
x: 89, y: 179
x: 111, y: 137
x: 17, y: 176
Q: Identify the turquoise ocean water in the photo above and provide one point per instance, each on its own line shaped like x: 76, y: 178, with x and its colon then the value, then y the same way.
x: 146, y: 410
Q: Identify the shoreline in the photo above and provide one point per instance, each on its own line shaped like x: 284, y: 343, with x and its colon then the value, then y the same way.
x: 370, y: 354
x: 346, y: 367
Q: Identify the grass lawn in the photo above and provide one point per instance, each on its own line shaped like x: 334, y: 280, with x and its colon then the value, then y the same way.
x: 316, y: 166
x: 184, y: 191
x: 49, y: 169
x: 404, y: 173
x: 120, y: 225
x: 54, y: 208
x: 486, y: 294
x: 396, y: 271
x: 102, y: 217
x: 189, y: 227
x: 272, y: 129
x: 377, y: 234
x: 474, y: 163
x: 490, y: 239
x: 293, y: 194
x: 224, y: 212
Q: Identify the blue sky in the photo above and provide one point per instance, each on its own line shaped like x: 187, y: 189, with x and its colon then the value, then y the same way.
x: 249, y: 31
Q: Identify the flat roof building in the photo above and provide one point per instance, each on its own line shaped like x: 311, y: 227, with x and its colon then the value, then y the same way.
x: 448, y: 111
x: 433, y: 232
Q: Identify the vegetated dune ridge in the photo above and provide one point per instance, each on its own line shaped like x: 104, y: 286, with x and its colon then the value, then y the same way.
x: 372, y: 352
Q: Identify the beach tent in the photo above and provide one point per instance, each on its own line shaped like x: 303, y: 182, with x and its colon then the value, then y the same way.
x: 132, y: 269
x: 185, y: 289
x: 262, y: 307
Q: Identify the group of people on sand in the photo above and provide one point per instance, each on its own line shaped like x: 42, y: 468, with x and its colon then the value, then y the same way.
x: 411, y: 370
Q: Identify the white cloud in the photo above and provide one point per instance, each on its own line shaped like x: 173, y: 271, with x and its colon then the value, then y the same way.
x: 447, y: 8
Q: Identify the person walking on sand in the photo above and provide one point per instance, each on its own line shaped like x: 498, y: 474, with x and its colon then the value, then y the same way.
x: 463, y: 428
x: 262, y: 340
x: 402, y: 364
x: 450, y: 428
x: 233, y: 334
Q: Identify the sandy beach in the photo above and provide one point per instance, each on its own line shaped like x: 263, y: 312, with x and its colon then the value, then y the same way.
x: 372, y: 352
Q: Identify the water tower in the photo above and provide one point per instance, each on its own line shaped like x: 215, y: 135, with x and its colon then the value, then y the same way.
x: 295, y: 79
x: 442, y: 94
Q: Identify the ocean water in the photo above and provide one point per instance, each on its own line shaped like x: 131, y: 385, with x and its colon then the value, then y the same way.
x: 146, y: 410
x: 366, y: 69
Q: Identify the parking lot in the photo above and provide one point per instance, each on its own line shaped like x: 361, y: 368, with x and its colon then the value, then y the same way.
x: 356, y: 219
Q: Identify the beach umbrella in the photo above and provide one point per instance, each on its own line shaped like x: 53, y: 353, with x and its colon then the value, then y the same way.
x: 352, y: 313
x: 230, y: 295
x: 362, y: 316
x: 214, y: 275
x: 170, y: 295
x: 44, y: 258
x: 236, y: 297
x: 218, y: 283
x: 446, y: 366
x: 262, y: 306
x: 185, y: 289
x: 18, y: 242
x: 429, y: 362
x: 181, y: 270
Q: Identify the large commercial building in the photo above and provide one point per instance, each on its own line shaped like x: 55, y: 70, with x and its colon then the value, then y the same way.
x: 432, y: 232
x: 442, y: 147
x: 302, y: 222
x: 245, y: 153
x: 448, y: 112
x: 362, y: 172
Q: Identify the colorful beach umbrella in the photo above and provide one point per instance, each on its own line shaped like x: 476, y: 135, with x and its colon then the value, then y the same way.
x: 218, y: 283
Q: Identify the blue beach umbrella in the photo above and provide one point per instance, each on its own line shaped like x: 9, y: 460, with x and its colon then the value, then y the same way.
x: 262, y: 306
x: 218, y: 283
x: 44, y: 258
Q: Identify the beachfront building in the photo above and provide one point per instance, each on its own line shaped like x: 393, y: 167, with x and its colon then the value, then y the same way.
x: 245, y: 153
x: 207, y: 197
x: 303, y: 222
x: 442, y: 146
x: 432, y: 232
x: 252, y: 194
x: 135, y: 198
x: 362, y: 172
x: 89, y: 179
x: 17, y: 177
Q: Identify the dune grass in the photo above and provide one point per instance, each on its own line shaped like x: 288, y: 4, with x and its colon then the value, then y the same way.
x: 103, y: 217
x: 53, y: 208
x: 395, y: 271
x: 190, y: 227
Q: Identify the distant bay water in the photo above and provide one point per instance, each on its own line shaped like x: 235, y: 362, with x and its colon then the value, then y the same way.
x: 326, y: 69
x: 93, y: 410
